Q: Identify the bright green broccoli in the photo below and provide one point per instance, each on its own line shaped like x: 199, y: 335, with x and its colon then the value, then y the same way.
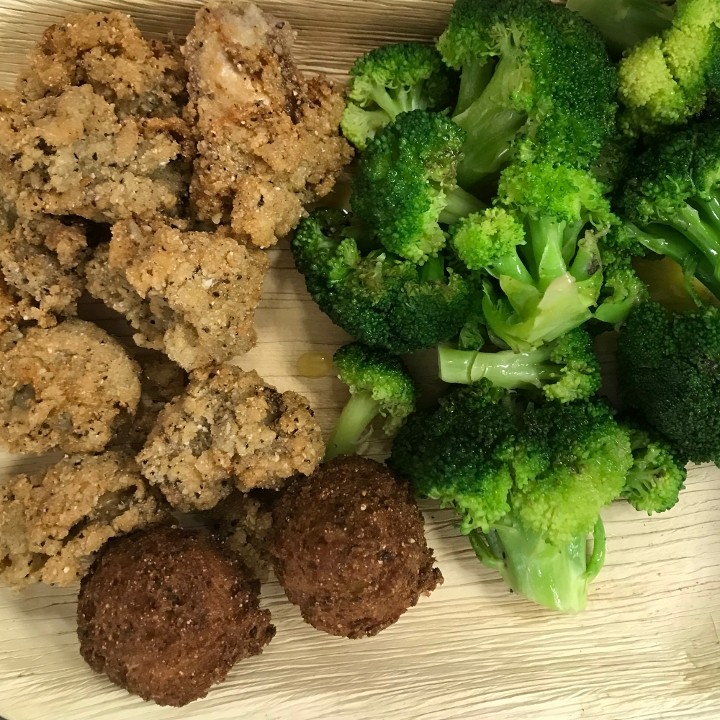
x: 671, y: 201
x: 657, y: 475
x: 541, y: 248
x: 666, y: 79
x: 379, y: 299
x: 669, y: 372
x: 405, y: 184
x: 536, y: 82
x: 564, y: 370
x: 393, y: 79
x: 624, y: 23
x: 622, y: 289
x: 529, y: 483
x: 379, y: 384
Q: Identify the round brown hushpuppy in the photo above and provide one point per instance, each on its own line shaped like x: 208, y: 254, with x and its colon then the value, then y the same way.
x: 166, y: 613
x: 349, y: 548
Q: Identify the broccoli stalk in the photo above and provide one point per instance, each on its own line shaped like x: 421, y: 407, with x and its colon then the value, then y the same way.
x: 379, y: 385
x: 624, y: 23
x: 564, y: 370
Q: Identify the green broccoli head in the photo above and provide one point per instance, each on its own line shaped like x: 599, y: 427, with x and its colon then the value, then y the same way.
x: 405, y: 184
x: 379, y: 385
x: 669, y: 370
x: 622, y: 289
x: 536, y: 83
x: 379, y: 299
x: 390, y: 80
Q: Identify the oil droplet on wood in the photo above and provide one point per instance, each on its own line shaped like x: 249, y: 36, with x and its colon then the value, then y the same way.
x: 315, y: 365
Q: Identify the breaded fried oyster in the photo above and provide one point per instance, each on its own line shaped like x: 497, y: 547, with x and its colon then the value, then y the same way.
x: 229, y: 429
x: 165, y: 613
x: 68, y: 387
x: 268, y: 138
x: 52, y: 523
x: 201, y: 290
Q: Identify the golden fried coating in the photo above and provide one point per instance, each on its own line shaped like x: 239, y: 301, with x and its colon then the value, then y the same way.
x: 10, y: 318
x: 68, y: 387
x: 243, y: 521
x: 229, y: 428
x: 106, y: 50
x: 71, y: 155
x: 53, y: 523
x: 39, y: 261
x: 201, y: 288
x: 268, y: 139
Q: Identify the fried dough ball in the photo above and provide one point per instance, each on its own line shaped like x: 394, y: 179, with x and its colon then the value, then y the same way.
x: 229, y: 429
x: 268, y: 139
x: 201, y: 289
x: 53, y: 523
x: 66, y: 387
x: 106, y: 50
x: 40, y: 261
x: 167, y: 612
x: 70, y: 154
x: 349, y: 547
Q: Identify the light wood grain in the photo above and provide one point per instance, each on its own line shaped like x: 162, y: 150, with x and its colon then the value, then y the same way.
x: 647, y: 648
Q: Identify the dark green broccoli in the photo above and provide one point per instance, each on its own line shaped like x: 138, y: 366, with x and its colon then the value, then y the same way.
x: 541, y: 247
x: 393, y: 79
x: 624, y: 23
x: 564, y: 370
x: 666, y: 79
x: 657, y: 475
x: 536, y: 82
x: 671, y: 201
x: 379, y: 385
x: 379, y: 299
x: 405, y: 184
x: 529, y: 483
x: 669, y: 373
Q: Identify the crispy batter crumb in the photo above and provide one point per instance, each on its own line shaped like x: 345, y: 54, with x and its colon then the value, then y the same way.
x: 66, y: 387
x: 268, y: 139
x: 229, y: 428
x: 52, y: 523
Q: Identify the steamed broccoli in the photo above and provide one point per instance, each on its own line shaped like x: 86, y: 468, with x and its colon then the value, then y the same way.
x: 624, y: 23
x: 541, y: 247
x: 529, y: 483
x: 669, y: 372
x: 666, y: 79
x: 379, y: 385
x: 379, y: 299
x: 671, y: 201
x: 405, y: 184
x: 393, y: 79
x: 536, y: 82
x: 622, y: 289
x: 564, y: 370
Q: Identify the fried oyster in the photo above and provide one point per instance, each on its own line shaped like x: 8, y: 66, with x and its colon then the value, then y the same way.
x: 268, y: 139
x: 229, y: 429
x: 53, y: 523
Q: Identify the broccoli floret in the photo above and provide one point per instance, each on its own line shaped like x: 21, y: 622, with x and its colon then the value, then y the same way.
x: 624, y: 23
x: 529, y: 483
x: 666, y: 79
x: 657, y: 475
x: 405, y: 184
x: 671, y: 201
x: 622, y: 289
x: 393, y: 79
x: 379, y: 299
x: 669, y: 373
x: 541, y: 247
x: 379, y: 384
x: 564, y: 370
x: 536, y: 82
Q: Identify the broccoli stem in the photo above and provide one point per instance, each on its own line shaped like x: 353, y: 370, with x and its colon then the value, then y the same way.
x: 491, y: 123
x: 546, y: 242
x: 401, y: 100
x: 474, y: 79
x: 702, y: 230
x: 556, y: 577
x: 360, y: 410
x: 458, y: 204
x: 433, y: 270
x: 504, y: 368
